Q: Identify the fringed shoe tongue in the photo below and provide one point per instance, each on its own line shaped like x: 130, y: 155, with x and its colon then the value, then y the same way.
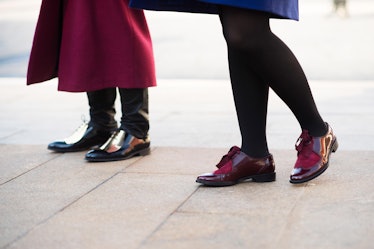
x: 225, y: 165
x: 226, y: 158
x: 306, y: 156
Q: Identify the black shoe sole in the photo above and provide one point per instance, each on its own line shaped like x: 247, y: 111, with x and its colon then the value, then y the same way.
x: 255, y: 178
x: 143, y: 152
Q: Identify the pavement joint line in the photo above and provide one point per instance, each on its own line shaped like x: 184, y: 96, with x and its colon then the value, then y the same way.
x: 288, y: 220
x: 66, y: 206
x: 139, y: 158
x: 142, y: 244
x: 27, y: 171
x: 60, y: 210
x: 157, y: 173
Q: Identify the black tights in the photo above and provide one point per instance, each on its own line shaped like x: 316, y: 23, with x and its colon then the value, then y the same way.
x: 258, y: 59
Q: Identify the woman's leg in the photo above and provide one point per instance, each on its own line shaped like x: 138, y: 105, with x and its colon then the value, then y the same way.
x: 259, y: 60
x: 251, y: 99
x: 256, y: 53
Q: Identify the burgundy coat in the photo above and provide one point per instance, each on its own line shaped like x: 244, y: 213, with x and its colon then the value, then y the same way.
x: 91, y: 45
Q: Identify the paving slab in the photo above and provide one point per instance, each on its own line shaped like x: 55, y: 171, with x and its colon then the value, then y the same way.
x: 119, y: 214
x: 153, y: 202
x: 333, y: 211
x: 178, y: 161
x: 34, y: 196
x: 24, y: 158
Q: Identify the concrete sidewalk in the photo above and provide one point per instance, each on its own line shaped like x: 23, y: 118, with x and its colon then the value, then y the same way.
x: 59, y: 201
x: 51, y: 200
x: 187, y: 113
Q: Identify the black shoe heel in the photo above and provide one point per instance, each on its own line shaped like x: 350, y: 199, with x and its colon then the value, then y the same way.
x: 144, y: 152
x: 335, y: 146
x: 264, y: 178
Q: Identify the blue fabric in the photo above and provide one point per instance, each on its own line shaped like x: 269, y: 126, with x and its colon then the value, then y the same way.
x: 278, y: 8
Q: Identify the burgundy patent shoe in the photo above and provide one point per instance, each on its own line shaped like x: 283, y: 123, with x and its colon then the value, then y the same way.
x: 236, y: 167
x: 313, y: 154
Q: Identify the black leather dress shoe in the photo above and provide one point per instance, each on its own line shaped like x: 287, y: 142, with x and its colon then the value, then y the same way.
x: 120, y: 146
x: 84, y: 138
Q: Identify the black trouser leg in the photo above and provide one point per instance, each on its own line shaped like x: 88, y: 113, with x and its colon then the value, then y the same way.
x: 134, y: 102
x: 102, y: 110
